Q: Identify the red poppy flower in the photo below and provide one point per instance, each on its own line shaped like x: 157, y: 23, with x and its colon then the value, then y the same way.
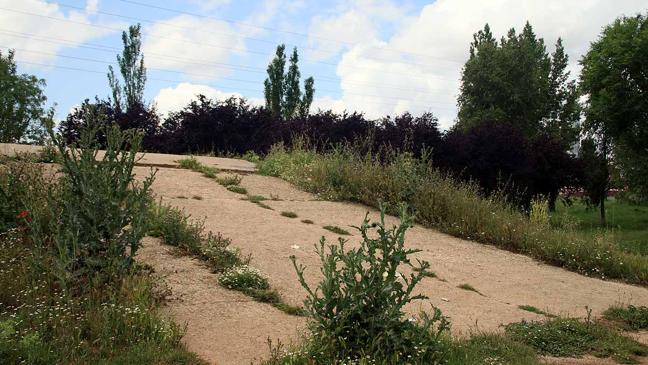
x: 22, y: 215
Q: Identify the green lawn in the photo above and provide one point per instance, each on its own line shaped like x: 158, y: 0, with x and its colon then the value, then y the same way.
x: 627, y: 225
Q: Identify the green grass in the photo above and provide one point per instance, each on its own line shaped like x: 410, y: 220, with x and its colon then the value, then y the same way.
x: 631, y: 317
x: 237, y: 189
x: 228, y: 180
x: 568, y: 337
x: 256, y: 198
x: 176, y: 229
x: 289, y: 214
x: 469, y: 287
x: 490, y: 349
x: 192, y: 164
x: 337, y: 230
x: 307, y: 221
x: 451, y: 206
x: 532, y: 309
x: 627, y: 225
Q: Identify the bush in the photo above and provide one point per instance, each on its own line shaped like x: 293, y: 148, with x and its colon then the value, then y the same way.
x: 449, y: 205
x: 243, y: 278
x: 356, y: 311
x: 97, y: 217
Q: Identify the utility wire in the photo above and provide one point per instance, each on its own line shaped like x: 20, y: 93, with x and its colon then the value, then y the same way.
x: 221, y: 65
x: 189, y: 41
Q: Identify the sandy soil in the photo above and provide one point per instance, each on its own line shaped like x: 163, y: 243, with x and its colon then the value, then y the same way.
x: 149, y: 159
x: 232, y: 334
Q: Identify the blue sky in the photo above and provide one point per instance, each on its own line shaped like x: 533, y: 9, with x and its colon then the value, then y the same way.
x: 378, y: 57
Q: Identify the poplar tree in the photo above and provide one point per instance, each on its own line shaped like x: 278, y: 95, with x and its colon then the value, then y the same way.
x: 283, y: 95
x: 133, y: 72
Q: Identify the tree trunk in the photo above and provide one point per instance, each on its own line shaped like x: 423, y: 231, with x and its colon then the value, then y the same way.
x: 603, y: 223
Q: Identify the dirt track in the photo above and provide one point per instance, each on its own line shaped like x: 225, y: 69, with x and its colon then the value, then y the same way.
x: 226, y: 328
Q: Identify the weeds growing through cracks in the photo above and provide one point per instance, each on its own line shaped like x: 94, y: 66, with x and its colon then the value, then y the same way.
x: 176, y: 229
x: 336, y: 229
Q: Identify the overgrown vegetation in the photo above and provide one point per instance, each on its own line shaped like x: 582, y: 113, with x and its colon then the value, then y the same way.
x: 451, y: 206
x: 631, y: 317
x: 192, y: 163
x: 289, y: 214
x: 177, y: 229
x: 70, y: 290
x: 337, y: 230
x: 356, y: 312
x: 569, y: 337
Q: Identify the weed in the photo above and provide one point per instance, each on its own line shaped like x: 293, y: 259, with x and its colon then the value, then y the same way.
x: 243, y: 278
x: 427, y: 273
x: 633, y: 318
x: 452, y: 206
x: 237, y: 189
x: 368, y: 294
x: 307, y: 221
x: 181, y: 197
x: 228, y: 180
x: 192, y: 163
x: 569, y: 337
x: 289, y: 214
x: 532, y: 309
x: 469, y: 287
x: 175, y: 229
x: 256, y: 198
x: 264, y: 206
x: 337, y: 230
x: 197, y: 197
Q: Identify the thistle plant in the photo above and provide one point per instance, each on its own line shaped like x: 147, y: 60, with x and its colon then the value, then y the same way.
x: 357, y: 309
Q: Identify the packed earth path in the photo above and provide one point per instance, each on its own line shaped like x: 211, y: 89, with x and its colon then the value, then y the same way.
x: 227, y: 327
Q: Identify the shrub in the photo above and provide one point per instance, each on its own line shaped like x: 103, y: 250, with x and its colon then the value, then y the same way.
x: 289, y: 214
x: 632, y: 317
x: 242, y: 278
x: 97, y: 217
x: 357, y: 309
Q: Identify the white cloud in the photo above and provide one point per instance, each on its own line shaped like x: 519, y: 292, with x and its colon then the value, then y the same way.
x: 353, y: 22
x: 210, y: 4
x: 23, y: 31
x: 172, y: 99
x: 193, y: 45
x: 424, y: 57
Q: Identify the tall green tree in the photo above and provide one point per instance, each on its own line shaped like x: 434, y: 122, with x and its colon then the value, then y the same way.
x: 133, y: 72
x: 23, y: 114
x: 283, y: 95
x: 615, y: 80
x: 516, y: 81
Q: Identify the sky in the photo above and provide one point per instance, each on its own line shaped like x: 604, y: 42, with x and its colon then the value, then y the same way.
x: 376, y: 57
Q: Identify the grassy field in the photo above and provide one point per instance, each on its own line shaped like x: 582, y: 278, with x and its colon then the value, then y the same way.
x: 627, y: 225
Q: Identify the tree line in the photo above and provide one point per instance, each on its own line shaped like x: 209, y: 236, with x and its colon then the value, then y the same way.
x: 522, y: 126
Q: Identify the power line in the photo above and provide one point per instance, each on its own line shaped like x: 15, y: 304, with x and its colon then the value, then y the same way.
x: 189, y: 41
x: 151, y: 6
x: 163, y: 23
x: 103, y: 48
x: 199, y: 74
x: 208, y: 83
